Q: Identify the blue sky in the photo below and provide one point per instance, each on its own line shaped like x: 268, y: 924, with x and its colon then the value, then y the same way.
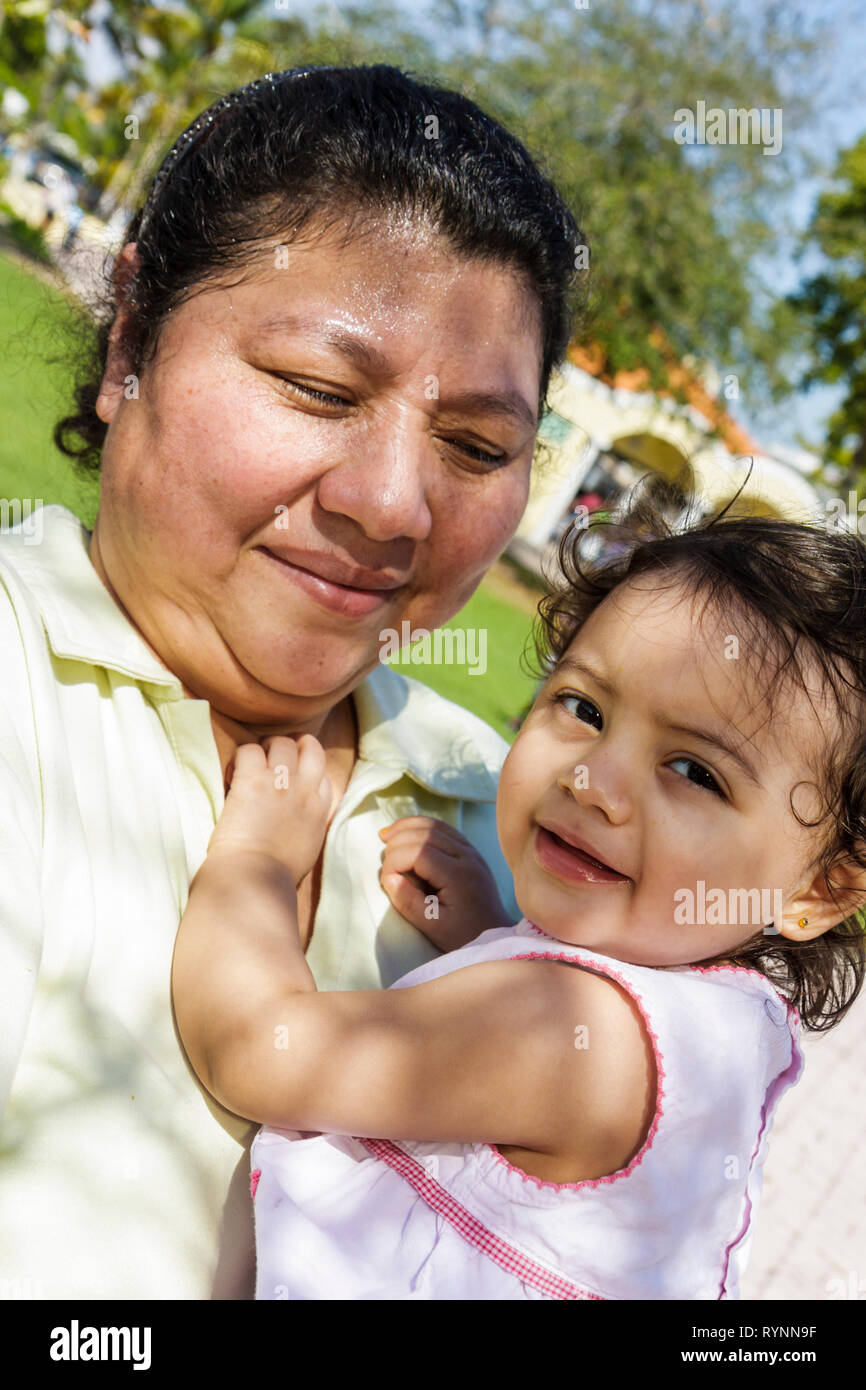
x: 841, y: 119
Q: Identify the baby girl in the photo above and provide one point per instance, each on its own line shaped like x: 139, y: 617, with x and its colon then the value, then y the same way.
x: 576, y: 1105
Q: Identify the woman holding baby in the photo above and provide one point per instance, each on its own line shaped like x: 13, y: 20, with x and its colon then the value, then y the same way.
x: 313, y: 410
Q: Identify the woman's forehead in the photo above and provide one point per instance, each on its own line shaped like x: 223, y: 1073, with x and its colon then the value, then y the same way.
x: 382, y: 266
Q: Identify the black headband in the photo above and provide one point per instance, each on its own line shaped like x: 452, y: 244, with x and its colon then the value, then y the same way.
x: 203, y: 124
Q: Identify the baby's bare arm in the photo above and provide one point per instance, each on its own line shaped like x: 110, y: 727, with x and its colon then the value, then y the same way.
x: 486, y: 1053
x: 238, y: 939
x: 237, y: 947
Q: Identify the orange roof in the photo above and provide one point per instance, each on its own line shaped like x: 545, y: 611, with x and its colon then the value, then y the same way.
x: 591, y: 358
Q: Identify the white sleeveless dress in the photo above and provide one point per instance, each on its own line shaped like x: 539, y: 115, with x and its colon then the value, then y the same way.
x: 341, y: 1217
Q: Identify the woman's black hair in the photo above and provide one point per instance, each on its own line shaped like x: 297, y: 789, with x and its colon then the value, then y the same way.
x: 331, y: 146
x: 794, y: 593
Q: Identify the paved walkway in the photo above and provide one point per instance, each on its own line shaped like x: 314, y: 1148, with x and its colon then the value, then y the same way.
x: 810, y: 1238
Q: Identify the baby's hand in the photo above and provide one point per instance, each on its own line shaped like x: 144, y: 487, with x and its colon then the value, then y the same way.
x: 439, y: 882
x: 278, y: 803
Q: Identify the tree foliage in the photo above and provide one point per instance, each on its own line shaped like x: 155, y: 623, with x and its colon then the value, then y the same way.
x: 680, y: 235
x: 677, y: 234
x: 834, y: 303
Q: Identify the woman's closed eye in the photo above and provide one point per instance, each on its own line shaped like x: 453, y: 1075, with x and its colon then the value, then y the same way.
x: 474, y: 451
x: 313, y: 393
x: 327, y: 398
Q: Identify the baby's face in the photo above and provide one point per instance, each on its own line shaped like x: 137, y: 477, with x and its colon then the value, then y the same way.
x: 605, y: 758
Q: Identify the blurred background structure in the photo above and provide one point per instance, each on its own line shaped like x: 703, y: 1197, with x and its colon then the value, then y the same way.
x: 603, y: 433
x: 726, y: 326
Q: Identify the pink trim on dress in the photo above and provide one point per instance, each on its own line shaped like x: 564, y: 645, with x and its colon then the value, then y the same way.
x: 471, y: 1229
x: 702, y: 969
x: 660, y: 1074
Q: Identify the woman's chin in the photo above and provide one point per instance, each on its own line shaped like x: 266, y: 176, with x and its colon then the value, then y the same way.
x: 307, y: 678
x: 259, y: 689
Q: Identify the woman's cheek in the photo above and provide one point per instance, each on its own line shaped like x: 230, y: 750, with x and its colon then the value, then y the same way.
x: 451, y: 570
x: 474, y: 531
x: 256, y: 453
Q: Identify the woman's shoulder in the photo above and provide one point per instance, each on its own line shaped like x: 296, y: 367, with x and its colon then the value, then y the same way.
x: 22, y: 634
x: 24, y: 660
x: 38, y: 555
x: 444, y: 739
x: 33, y: 534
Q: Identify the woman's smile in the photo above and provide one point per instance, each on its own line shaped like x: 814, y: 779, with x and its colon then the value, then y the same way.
x: 349, y: 599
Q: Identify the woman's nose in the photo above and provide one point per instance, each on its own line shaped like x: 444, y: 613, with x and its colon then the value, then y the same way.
x: 382, y: 484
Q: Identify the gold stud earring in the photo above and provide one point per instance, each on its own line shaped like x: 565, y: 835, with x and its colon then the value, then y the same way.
x: 803, y: 922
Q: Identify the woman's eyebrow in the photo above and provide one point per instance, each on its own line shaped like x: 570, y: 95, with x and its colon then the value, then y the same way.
x: 494, y: 403
x: 710, y: 736
x: 349, y: 344
x: 509, y: 403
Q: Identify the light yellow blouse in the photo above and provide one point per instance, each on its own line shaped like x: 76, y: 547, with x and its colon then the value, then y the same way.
x: 114, y: 1165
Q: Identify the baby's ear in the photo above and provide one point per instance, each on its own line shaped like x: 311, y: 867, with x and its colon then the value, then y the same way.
x: 828, y: 900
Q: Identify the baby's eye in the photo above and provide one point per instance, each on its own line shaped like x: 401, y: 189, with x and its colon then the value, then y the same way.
x: 583, y: 709
x: 703, y: 779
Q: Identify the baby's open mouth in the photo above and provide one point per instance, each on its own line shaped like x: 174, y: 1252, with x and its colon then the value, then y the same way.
x: 568, y: 860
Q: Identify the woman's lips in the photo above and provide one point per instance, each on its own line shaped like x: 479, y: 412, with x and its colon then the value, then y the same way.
x: 567, y: 862
x: 337, y: 598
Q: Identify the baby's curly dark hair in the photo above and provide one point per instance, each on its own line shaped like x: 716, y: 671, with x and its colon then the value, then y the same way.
x: 798, y: 589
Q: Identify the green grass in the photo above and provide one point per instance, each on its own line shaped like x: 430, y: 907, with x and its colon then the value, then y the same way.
x: 34, y: 393
x: 502, y: 691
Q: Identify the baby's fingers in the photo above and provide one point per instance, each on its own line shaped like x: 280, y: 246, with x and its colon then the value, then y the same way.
x: 311, y: 757
x: 295, y: 760
x: 325, y: 794
x: 411, y: 901
x: 249, y: 761
x: 421, y: 830
x: 426, y: 861
x: 281, y: 758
